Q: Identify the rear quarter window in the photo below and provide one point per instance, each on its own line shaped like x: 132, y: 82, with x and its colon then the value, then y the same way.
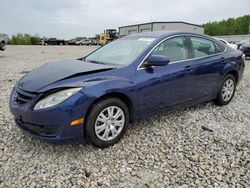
x: 220, y: 48
x: 203, y: 47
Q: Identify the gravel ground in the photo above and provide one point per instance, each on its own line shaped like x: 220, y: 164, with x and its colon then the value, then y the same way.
x: 168, y: 150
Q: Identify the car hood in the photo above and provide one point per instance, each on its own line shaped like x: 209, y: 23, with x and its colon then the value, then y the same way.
x: 55, y: 71
x: 246, y: 45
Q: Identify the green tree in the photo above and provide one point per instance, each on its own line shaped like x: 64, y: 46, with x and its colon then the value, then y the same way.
x: 79, y: 38
x: 24, y: 39
x: 231, y: 26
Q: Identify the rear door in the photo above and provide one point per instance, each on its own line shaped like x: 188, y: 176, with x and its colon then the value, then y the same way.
x: 208, y: 60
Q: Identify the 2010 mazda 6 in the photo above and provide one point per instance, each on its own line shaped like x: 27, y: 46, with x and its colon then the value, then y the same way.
x: 95, y: 98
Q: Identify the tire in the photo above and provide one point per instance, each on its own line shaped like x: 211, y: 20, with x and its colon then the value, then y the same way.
x: 2, y: 46
x: 95, y: 129
x: 226, y: 90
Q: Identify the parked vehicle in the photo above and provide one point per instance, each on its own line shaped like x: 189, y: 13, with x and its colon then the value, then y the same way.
x: 95, y: 98
x: 108, y: 36
x: 227, y: 43
x: 54, y: 41
x: 40, y: 42
x: 72, y: 42
x: 4, y: 39
x: 94, y: 40
x: 245, y: 48
x: 242, y: 42
x: 84, y: 42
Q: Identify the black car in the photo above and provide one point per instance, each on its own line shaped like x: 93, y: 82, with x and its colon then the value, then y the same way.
x: 54, y: 41
x: 245, y: 48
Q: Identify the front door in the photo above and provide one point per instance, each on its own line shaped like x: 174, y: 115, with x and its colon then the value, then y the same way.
x: 168, y: 85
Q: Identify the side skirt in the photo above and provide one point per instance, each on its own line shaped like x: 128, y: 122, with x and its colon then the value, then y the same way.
x: 142, y: 116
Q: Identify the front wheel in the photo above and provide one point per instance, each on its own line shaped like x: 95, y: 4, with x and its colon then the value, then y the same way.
x: 107, y: 122
x: 226, y: 90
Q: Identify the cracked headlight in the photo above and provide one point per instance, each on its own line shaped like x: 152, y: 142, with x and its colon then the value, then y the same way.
x: 55, y: 98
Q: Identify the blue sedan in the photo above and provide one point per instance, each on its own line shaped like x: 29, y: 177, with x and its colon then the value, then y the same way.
x: 94, y: 98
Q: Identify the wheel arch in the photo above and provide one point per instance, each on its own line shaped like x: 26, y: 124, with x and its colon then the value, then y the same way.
x: 123, y: 97
x: 234, y: 73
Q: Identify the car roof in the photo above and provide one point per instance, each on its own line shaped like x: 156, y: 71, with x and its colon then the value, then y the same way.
x: 219, y: 38
x: 160, y: 34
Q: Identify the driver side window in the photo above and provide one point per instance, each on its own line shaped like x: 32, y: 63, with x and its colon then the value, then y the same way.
x: 175, y: 49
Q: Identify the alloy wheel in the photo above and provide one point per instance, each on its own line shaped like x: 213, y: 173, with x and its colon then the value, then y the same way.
x: 228, y: 90
x: 109, y: 123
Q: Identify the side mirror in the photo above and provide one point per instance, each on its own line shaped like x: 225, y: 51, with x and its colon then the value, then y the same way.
x: 156, y: 60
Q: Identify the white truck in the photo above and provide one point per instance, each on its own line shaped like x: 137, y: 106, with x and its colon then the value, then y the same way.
x: 4, y: 39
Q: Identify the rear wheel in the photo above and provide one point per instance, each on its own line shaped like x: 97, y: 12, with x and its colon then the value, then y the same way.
x: 2, y: 46
x: 226, y: 90
x: 107, y: 122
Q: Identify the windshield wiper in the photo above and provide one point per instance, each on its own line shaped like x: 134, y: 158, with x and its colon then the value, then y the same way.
x: 97, y: 62
x: 102, y: 63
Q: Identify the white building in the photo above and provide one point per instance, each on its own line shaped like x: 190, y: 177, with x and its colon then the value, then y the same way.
x: 160, y: 26
x: 235, y: 38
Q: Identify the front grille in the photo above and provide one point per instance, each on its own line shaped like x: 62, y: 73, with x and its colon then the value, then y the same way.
x: 247, y: 50
x: 23, y: 97
x: 41, y: 130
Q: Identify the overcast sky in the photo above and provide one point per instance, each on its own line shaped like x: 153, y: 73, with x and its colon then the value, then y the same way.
x: 70, y: 18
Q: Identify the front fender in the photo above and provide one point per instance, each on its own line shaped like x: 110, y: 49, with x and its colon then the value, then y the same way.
x: 95, y: 88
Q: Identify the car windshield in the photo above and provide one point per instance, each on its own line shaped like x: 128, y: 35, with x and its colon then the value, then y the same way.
x: 120, y: 52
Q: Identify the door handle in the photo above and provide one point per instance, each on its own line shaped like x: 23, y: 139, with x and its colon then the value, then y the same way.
x: 188, y: 68
x: 222, y: 59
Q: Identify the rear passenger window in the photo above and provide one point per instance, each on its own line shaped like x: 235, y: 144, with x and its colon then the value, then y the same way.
x: 220, y: 48
x: 174, y: 48
x: 203, y: 47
